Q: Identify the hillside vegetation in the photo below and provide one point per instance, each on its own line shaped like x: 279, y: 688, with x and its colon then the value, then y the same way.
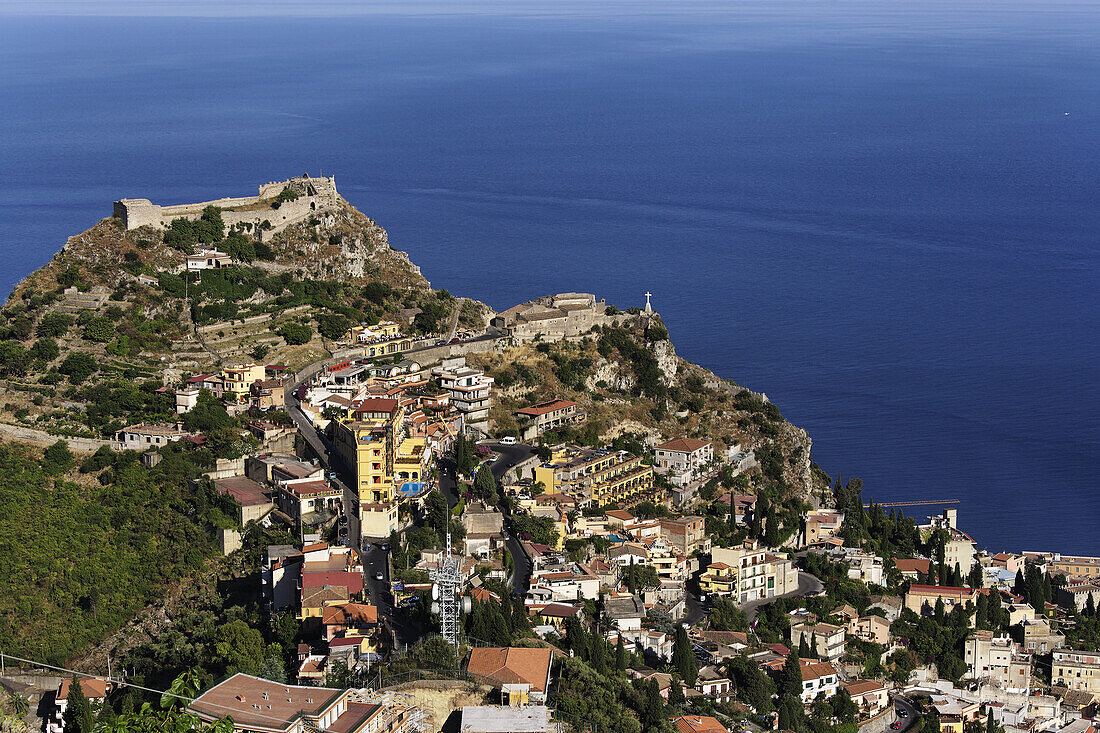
x: 82, y: 555
x: 115, y: 310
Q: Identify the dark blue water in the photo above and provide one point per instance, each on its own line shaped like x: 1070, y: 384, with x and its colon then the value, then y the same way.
x: 886, y: 219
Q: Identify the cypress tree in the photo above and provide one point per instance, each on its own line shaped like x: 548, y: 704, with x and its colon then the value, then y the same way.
x: 676, y: 692
x: 1090, y: 606
x: 803, y: 648
x: 77, y: 717
x: 1018, y: 586
x: 620, y: 655
x: 683, y: 657
x: 813, y: 645
x: 790, y: 679
x: 990, y: 726
x: 771, y: 530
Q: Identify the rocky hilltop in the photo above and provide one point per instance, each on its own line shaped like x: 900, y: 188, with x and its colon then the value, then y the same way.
x: 116, y: 315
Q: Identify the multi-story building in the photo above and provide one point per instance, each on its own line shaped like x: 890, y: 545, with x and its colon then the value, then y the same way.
x: 922, y: 599
x: 469, y: 389
x: 1077, y: 670
x: 995, y: 658
x: 817, y: 678
x: 1074, y: 566
x: 1035, y: 635
x: 598, y: 476
x: 871, y: 628
x: 367, y: 442
x: 821, y: 525
x: 960, y: 548
x: 1076, y: 595
x: 747, y: 573
x: 827, y: 640
x: 256, y: 704
x: 682, y: 459
x: 865, y: 566
x: 686, y: 534
x: 535, y: 420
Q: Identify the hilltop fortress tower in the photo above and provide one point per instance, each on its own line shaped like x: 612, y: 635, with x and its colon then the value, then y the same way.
x: 314, y: 195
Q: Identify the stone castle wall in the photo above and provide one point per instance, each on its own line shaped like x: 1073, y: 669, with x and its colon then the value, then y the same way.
x: 314, y: 195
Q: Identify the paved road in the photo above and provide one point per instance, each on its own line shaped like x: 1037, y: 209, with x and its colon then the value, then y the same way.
x: 806, y: 584
x: 901, y: 704
x: 508, y: 457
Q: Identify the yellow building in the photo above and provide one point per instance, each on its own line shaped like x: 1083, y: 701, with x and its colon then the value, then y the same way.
x: 600, y: 476
x: 367, y: 442
x: 381, y: 339
x: 237, y: 379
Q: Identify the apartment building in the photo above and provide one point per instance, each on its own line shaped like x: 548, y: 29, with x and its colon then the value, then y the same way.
x: 599, y: 476
x: 1077, y: 670
x: 747, y: 573
x: 687, y: 534
x: 993, y: 657
x: 960, y: 548
x: 469, y: 389
x: 1074, y: 566
x: 682, y: 459
x: 922, y: 599
x: 367, y: 443
x: 825, y: 639
x: 534, y: 420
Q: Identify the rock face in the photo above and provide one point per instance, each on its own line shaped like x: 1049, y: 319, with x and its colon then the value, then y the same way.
x: 667, y: 361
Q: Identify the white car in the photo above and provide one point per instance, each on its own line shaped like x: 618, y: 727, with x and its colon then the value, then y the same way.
x: 509, y: 440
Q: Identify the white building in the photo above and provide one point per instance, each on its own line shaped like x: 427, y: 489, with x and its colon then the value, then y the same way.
x: 469, y: 389
x: 817, y: 677
x: 682, y: 459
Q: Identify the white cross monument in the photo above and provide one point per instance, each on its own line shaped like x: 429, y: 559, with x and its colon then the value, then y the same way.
x: 648, y: 307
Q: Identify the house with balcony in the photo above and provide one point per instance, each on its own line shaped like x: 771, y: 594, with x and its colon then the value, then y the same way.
x: 469, y: 390
x: 826, y: 640
x: 534, y: 420
x: 683, y: 459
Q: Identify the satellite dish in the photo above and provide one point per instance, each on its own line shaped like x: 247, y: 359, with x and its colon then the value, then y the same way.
x: 467, y: 605
x: 435, y: 608
x: 435, y: 592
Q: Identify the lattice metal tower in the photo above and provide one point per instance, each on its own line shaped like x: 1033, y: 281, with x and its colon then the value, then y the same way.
x: 446, y: 590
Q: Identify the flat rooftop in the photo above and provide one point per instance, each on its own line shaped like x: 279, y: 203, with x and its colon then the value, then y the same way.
x: 496, y: 719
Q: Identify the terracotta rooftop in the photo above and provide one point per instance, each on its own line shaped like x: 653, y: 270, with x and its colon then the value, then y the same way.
x: 698, y: 724
x: 862, y: 687
x: 916, y: 565
x: 351, y: 613
x: 242, y: 490
x: 544, y: 407
x: 509, y: 665
x: 93, y: 687
x: 813, y: 669
x: 684, y: 445
x: 258, y: 703
x: 943, y: 590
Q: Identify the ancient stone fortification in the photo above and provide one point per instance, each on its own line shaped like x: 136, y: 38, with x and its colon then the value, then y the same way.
x: 555, y: 317
x: 314, y: 195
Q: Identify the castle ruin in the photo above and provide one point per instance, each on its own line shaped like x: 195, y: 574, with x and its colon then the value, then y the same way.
x: 314, y: 195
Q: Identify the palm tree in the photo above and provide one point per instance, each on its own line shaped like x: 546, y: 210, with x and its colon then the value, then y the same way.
x: 19, y: 705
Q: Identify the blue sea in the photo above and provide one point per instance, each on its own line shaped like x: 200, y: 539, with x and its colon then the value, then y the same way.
x: 884, y: 215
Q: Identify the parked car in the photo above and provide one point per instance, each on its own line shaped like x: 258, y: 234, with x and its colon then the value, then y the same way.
x: 379, y: 577
x: 896, y: 725
x: 508, y: 440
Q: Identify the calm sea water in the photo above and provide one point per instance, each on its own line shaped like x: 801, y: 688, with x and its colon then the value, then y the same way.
x: 885, y: 218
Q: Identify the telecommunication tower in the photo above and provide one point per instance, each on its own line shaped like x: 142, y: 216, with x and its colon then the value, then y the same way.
x: 446, y: 594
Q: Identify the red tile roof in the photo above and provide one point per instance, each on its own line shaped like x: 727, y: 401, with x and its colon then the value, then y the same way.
x: 544, y: 407
x: 509, y: 665
x: 684, y: 445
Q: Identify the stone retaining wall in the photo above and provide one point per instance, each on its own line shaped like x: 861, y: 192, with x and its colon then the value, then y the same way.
x: 41, y: 437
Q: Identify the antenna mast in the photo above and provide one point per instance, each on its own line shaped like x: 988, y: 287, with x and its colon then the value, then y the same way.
x: 447, y: 585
